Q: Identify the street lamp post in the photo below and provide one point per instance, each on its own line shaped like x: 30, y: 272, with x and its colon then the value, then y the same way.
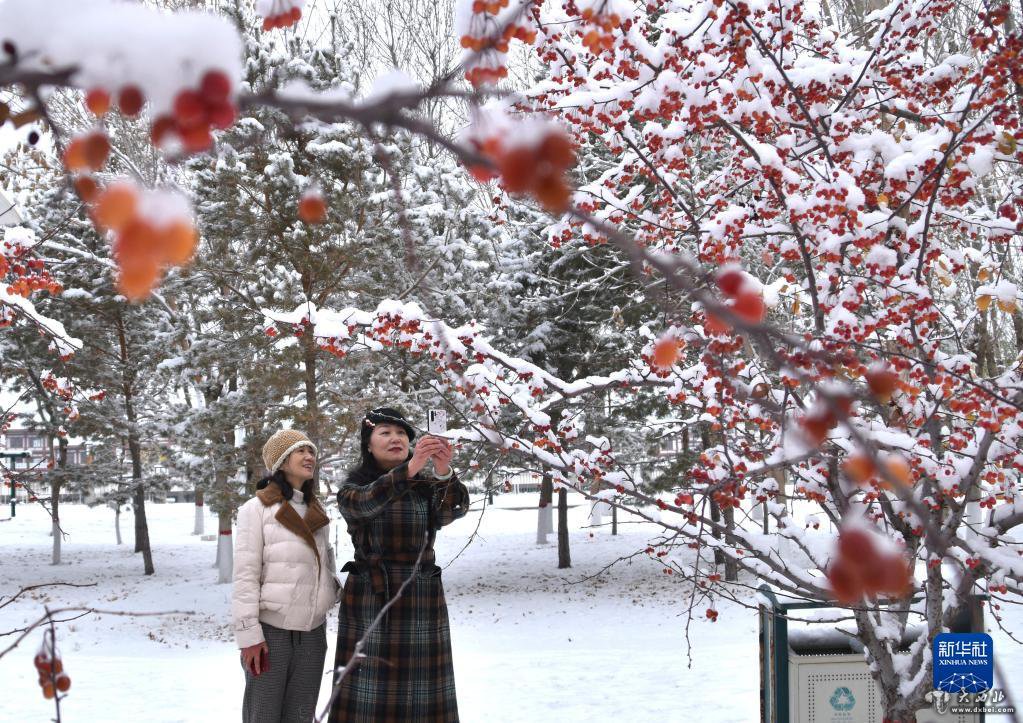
x: 13, y: 457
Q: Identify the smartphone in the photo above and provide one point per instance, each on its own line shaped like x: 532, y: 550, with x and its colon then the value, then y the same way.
x: 436, y: 421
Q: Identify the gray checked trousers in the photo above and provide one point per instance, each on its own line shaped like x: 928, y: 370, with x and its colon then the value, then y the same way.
x: 287, y: 692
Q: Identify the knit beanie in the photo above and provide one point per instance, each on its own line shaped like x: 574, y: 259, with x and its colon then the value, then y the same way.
x: 281, y: 444
x: 382, y: 415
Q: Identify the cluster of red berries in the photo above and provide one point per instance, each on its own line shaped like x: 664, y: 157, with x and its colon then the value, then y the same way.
x: 52, y: 678
x: 823, y: 417
x: 129, y: 101
x: 535, y: 169
x: 280, y: 13
x: 599, y: 38
x: 479, y: 73
x: 746, y: 296
x: 196, y: 112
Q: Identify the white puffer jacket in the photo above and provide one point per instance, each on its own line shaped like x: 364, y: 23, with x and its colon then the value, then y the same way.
x: 283, y: 567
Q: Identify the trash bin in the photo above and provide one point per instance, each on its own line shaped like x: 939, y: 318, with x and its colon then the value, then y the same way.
x: 822, y: 676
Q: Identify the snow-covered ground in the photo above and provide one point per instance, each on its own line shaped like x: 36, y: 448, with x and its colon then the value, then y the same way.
x: 531, y: 642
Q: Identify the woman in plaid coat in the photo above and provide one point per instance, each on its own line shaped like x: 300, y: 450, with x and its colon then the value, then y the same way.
x: 393, y: 511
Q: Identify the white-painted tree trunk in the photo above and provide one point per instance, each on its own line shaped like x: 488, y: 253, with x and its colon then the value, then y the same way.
x: 225, y: 549
x: 544, y: 523
x: 974, y: 517
x: 200, y: 518
x: 117, y: 524
x: 225, y: 557
x: 55, y: 531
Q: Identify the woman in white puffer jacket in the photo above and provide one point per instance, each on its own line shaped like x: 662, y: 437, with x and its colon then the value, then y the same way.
x: 284, y: 584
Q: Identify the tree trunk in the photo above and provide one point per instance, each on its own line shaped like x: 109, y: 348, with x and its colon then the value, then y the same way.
x: 715, y: 516
x: 135, y: 450
x: 55, y: 487
x: 117, y: 524
x: 564, y: 555
x: 545, y: 510
x: 731, y: 566
x: 200, y: 519
x: 314, y: 425
x: 614, y: 519
x: 225, y: 550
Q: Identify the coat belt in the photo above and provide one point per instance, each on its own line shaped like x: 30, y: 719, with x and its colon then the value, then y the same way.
x: 376, y: 565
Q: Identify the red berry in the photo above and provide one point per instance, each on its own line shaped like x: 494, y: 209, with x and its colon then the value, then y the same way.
x: 749, y: 306
x: 196, y: 138
x: 189, y: 108
x: 731, y: 281
x: 312, y: 208
x: 162, y: 127
x: 222, y: 115
x: 97, y: 101
x: 215, y: 87
x: 130, y: 100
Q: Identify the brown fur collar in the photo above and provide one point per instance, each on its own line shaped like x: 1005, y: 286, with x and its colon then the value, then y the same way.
x: 315, y: 517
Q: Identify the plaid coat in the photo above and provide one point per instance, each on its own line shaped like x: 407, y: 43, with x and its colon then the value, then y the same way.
x: 407, y: 675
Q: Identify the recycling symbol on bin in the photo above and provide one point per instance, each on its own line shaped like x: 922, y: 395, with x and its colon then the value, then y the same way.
x: 842, y: 699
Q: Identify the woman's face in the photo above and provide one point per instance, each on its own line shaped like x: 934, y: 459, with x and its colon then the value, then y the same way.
x: 299, y: 465
x: 389, y: 445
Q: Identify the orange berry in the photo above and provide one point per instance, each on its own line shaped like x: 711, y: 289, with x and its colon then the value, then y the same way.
x: 86, y: 188
x: 48, y: 691
x: 882, y: 383
x: 136, y: 242
x: 859, y: 468
x: 116, y: 206
x: 552, y: 192
x: 75, y: 157
x: 130, y: 100
x: 97, y: 150
x: 483, y: 174
x: 136, y: 280
x: 556, y: 148
x: 312, y: 208
x: 97, y: 101
x: 898, y: 471
x: 178, y: 243
x: 666, y: 352
x: 517, y: 167
x: 63, y: 683
x: 466, y: 41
